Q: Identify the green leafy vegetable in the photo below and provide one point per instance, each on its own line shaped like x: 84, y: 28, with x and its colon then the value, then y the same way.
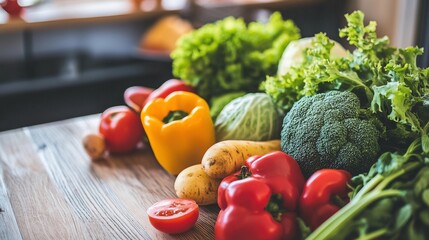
x: 293, y: 55
x: 250, y: 117
x: 386, y: 79
x: 218, y: 103
x: 363, y: 37
x: 388, y: 202
x: 229, y: 55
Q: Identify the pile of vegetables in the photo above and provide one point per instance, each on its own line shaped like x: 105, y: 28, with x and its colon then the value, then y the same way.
x: 335, y: 147
x: 231, y: 56
x: 361, y: 115
x: 200, y: 182
x: 120, y: 129
x: 260, y: 202
x: 386, y: 80
x: 387, y: 103
x: 390, y: 201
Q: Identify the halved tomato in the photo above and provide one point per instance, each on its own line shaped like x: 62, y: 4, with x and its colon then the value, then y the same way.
x: 175, y: 215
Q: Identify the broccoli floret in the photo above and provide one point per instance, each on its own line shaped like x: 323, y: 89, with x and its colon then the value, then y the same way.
x: 325, y: 131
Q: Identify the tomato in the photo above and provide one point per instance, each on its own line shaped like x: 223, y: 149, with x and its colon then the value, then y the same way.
x: 168, y: 87
x: 136, y: 96
x: 121, y: 128
x: 174, y: 215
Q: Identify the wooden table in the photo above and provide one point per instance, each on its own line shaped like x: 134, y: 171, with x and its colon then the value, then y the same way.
x: 50, y: 189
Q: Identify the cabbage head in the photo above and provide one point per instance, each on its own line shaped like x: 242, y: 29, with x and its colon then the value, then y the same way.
x: 251, y: 117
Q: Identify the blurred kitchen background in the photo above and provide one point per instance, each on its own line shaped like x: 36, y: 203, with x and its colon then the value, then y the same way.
x: 67, y: 58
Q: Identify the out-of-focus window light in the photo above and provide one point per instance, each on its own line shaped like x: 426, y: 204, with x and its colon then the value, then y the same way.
x: 166, y: 4
x: 51, y: 10
x: 173, y: 4
x: 27, y: 3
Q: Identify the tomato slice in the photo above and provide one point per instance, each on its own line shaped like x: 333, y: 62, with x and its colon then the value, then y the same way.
x: 175, y: 215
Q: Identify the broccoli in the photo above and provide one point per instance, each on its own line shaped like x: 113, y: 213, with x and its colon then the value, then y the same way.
x: 325, y: 131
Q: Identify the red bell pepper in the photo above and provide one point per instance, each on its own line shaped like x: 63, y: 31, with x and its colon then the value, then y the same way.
x: 169, y: 86
x: 260, y: 202
x: 325, y: 192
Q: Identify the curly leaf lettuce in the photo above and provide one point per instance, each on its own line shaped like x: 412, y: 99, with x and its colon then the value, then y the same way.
x: 363, y: 37
x: 303, y: 79
x: 386, y: 79
x: 229, y: 55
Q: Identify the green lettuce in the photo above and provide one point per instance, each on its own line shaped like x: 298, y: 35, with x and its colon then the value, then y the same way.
x: 230, y: 55
x: 386, y: 79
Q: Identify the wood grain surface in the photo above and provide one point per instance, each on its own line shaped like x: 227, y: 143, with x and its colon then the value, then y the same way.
x: 50, y: 189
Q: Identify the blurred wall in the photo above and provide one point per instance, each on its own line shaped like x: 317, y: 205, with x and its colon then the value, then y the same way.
x: 95, y: 39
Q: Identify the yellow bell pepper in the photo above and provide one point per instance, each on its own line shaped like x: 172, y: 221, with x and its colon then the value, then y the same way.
x: 179, y: 129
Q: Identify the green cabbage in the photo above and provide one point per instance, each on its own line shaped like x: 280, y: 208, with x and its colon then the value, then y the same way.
x: 219, y: 102
x: 250, y: 117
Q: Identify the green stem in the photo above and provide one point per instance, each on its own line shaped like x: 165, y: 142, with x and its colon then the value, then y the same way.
x: 413, y: 147
x: 174, y: 116
x: 368, y: 187
x: 374, y: 235
x: 275, y: 208
x: 340, y: 219
x: 379, y: 182
x: 338, y: 201
x: 358, y: 82
x: 371, y: 192
x: 244, y: 173
x: 426, y: 128
x: 407, y: 168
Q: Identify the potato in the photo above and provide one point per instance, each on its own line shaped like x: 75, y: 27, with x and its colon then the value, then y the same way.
x: 227, y: 157
x: 194, y: 183
x: 94, y: 145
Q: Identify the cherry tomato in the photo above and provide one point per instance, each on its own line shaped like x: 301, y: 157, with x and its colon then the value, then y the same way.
x: 136, y: 96
x: 174, y: 215
x: 121, y: 128
x: 12, y: 7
